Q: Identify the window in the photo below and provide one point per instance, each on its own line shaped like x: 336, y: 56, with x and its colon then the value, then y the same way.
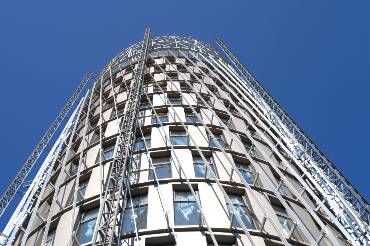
x: 284, y: 190
x: 242, y: 210
x: 108, y: 152
x: 201, y: 103
x: 140, y: 142
x: 185, y: 208
x: 192, y: 118
x: 174, y: 100
x: 246, y: 172
x: 248, y: 146
x: 144, y: 104
x: 82, y: 190
x: 135, y: 213
x: 179, y: 137
x: 50, y: 238
x: 73, y: 168
x: 185, y: 87
x: 216, y: 141
x: 204, y: 104
x: 224, y: 120
x: 286, y: 222
x: 162, y: 168
x: 201, y: 170
x: 162, y: 118
x: 87, y: 226
x: 160, y: 88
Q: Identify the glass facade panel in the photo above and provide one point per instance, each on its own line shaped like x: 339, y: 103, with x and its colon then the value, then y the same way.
x: 82, y: 190
x: 246, y: 173
x: 201, y: 170
x: 216, y: 141
x: 191, y: 118
x: 242, y: 210
x: 179, y: 138
x: 185, y: 208
x: 162, y: 118
x: 87, y: 226
x: 162, y: 168
x: 135, y: 214
x: 286, y: 222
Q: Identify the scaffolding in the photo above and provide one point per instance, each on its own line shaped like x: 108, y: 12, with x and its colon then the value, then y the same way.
x: 212, y: 90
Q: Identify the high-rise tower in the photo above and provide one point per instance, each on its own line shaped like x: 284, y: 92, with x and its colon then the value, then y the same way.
x: 176, y: 143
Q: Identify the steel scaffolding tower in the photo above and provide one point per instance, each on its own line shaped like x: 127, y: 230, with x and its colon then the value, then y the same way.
x: 176, y: 144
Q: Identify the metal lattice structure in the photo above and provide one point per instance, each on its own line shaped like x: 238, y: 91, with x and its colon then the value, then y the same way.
x: 27, y: 166
x: 176, y: 144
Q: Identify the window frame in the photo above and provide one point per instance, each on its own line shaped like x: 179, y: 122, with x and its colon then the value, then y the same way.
x: 157, y: 118
x: 281, y: 213
x: 108, y: 149
x: 198, y: 161
x: 146, y: 139
x: 160, y: 163
x: 83, y: 220
x: 131, y: 209
x: 195, y: 211
x: 194, y: 118
x: 245, y: 209
x: 82, y: 185
x: 246, y: 168
x: 217, y: 137
x: 185, y: 136
x: 174, y: 99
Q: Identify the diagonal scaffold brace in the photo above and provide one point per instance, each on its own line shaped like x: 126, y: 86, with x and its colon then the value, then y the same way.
x: 115, y: 188
x: 18, y: 180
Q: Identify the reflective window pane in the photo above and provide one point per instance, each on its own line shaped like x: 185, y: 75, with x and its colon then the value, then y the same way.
x: 201, y: 170
x: 163, y: 171
x: 86, y: 229
x: 179, y: 138
x: 175, y: 100
x: 246, y: 173
x: 242, y: 211
x: 139, y: 144
x: 286, y: 222
x: 216, y: 142
x: 82, y: 190
x: 108, y: 153
x: 162, y: 118
x: 185, y: 208
x: 192, y: 118
x: 135, y: 214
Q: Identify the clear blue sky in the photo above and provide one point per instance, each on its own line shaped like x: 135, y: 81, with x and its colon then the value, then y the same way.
x: 313, y: 56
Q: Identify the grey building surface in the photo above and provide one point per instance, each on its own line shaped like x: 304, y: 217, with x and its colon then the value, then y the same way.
x: 176, y: 143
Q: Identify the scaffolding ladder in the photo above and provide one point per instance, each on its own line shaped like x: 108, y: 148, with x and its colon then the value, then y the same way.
x: 115, y: 188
